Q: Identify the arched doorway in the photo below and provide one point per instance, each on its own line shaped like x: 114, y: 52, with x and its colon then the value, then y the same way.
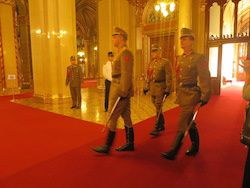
x: 159, y: 27
x: 228, y: 38
x: 86, y: 29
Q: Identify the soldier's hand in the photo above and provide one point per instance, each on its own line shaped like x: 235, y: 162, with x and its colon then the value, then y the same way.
x: 145, y: 90
x: 166, y: 93
x: 203, y: 102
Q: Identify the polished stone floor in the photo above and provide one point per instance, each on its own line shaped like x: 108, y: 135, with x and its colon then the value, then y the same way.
x: 93, y: 107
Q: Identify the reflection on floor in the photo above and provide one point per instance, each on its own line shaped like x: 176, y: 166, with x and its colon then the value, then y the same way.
x: 93, y: 107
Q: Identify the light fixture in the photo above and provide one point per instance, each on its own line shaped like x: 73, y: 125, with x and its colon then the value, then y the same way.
x: 81, y: 53
x: 157, y: 8
x: 95, y: 48
x: 38, y: 31
x: 172, y: 7
x: 165, y: 13
x: 165, y: 6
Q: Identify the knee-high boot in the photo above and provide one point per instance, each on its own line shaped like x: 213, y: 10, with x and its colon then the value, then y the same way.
x: 171, y: 154
x: 106, y: 147
x: 129, y: 146
x: 159, y: 126
x: 194, y: 136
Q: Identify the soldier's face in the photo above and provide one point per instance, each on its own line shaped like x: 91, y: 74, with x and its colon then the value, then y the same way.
x: 155, y: 54
x: 116, y: 40
x: 111, y: 58
x: 73, y: 62
x: 186, y: 42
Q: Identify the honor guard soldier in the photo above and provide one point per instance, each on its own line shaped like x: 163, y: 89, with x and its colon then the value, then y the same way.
x: 159, y: 79
x: 193, y: 86
x: 120, y: 93
x: 245, y: 137
x: 74, y: 79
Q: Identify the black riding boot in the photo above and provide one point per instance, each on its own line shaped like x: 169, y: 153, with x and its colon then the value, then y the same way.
x: 194, y: 136
x: 171, y: 154
x: 159, y: 126
x: 105, y: 148
x: 129, y: 146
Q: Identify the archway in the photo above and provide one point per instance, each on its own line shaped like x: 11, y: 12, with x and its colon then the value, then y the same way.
x: 86, y: 26
x: 160, y: 28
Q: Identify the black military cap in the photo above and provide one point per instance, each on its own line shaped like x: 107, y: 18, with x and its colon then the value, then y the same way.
x: 110, y: 54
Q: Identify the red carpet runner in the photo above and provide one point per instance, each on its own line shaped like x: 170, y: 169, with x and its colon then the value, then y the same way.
x: 44, y: 150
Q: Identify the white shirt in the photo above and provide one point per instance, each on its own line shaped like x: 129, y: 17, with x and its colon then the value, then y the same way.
x: 107, y: 70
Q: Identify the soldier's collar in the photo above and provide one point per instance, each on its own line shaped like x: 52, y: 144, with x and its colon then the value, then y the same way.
x: 120, y: 52
x: 188, y: 53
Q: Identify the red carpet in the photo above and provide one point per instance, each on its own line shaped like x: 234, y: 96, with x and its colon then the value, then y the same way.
x: 42, y: 149
x: 89, y: 83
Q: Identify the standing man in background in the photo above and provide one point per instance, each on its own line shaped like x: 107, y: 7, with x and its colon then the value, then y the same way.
x: 107, y: 74
x: 193, y: 86
x: 74, y: 79
x: 159, y: 81
x: 246, y: 128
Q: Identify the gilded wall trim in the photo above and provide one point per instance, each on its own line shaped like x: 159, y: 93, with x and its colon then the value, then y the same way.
x: 8, y: 2
x: 17, y: 51
x: 2, y: 70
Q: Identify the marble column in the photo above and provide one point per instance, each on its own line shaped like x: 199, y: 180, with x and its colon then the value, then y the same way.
x: 198, y: 26
x: 8, y: 42
x: 112, y: 13
x: 53, y: 41
x: 184, y: 17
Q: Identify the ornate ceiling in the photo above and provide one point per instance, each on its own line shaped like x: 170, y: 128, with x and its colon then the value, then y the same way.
x: 138, y: 3
x: 86, y: 18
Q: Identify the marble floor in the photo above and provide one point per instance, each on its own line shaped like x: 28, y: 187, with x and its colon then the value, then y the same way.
x: 93, y: 107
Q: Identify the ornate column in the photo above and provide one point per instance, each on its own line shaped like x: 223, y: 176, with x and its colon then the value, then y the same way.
x: 53, y: 41
x: 113, y: 13
x: 198, y: 25
x: 2, y: 70
x: 10, y: 58
x: 184, y: 18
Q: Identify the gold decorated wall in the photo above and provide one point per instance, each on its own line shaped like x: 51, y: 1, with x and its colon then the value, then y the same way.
x: 9, y: 45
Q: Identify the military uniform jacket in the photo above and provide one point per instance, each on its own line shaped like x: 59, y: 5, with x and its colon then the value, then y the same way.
x: 74, y: 76
x: 159, y: 77
x: 193, y: 81
x: 122, y: 74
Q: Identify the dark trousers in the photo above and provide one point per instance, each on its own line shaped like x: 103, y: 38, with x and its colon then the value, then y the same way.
x: 76, y: 96
x: 107, y: 89
x: 246, y: 179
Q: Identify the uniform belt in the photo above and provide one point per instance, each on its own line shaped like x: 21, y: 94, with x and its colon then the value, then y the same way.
x: 188, y: 85
x: 116, y: 76
x: 159, y: 81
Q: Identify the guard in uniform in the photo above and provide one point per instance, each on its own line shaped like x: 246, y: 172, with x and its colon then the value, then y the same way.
x: 74, y: 79
x: 159, y: 79
x: 121, y: 86
x: 246, y: 96
x: 193, y: 86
